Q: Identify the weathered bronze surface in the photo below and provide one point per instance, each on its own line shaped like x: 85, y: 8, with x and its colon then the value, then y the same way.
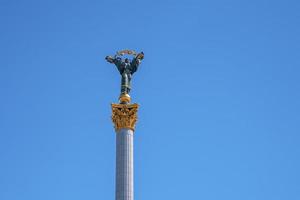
x: 127, y: 67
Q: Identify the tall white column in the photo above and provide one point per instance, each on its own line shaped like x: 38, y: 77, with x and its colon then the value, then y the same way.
x: 124, y: 117
x: 124, y: 164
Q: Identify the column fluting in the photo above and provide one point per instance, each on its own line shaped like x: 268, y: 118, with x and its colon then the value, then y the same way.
x: 124, y: 164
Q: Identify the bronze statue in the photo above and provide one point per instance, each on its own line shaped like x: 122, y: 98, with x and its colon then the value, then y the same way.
x: 126, y: 67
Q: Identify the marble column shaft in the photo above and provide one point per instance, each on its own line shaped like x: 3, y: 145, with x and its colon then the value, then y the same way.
x: 124, y: 164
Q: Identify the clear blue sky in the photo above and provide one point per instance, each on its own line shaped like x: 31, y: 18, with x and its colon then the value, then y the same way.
x: 218, y: 89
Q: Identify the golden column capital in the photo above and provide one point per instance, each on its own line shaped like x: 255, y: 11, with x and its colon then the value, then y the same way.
x: 124, y: 115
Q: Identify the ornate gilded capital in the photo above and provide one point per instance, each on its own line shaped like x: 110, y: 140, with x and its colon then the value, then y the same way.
x: 124, y: 115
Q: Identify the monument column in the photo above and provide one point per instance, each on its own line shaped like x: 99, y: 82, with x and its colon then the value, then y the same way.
x: 124, y: 117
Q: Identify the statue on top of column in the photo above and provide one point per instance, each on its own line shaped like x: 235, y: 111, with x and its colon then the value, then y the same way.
x: 126, y: 67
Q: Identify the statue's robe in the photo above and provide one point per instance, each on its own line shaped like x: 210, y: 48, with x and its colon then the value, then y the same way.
x: 126, y: 70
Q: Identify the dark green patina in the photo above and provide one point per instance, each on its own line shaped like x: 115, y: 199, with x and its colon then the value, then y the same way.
x: 127, y: 67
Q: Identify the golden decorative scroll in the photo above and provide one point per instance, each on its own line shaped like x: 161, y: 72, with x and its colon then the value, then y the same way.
x: 124, y: 115
x: 126, y: 51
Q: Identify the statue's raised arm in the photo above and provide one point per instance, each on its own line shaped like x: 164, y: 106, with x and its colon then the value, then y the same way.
x: 136, y: 62
x: 117, y: 61
x: 109, y: 59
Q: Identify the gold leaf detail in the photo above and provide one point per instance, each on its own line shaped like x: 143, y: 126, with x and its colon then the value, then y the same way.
x: 124, y: 115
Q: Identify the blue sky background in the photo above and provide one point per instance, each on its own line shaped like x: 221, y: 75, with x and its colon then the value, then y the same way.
x: 218, y: 89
